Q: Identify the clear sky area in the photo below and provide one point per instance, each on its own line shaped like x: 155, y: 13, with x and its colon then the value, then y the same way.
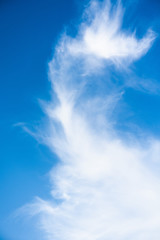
x: 64, y: 66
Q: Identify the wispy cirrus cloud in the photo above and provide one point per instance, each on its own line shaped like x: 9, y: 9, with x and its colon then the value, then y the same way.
x: 102, y: 37
x: 103, y: 186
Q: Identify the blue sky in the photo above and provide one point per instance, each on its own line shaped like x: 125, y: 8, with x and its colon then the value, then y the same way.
x: 29, y: 32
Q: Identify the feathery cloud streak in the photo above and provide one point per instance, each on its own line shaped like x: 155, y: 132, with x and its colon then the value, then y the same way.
x: 102, y: 187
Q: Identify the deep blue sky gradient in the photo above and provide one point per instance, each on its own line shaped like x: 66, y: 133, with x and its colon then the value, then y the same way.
x: 28, y: 32
x: 29, y: 29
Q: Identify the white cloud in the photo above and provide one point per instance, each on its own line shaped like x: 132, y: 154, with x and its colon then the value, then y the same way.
x: 103, y: 187
x: 103, y: 37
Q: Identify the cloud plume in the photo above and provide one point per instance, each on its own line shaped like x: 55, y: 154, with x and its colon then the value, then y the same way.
x: 103, y: 186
